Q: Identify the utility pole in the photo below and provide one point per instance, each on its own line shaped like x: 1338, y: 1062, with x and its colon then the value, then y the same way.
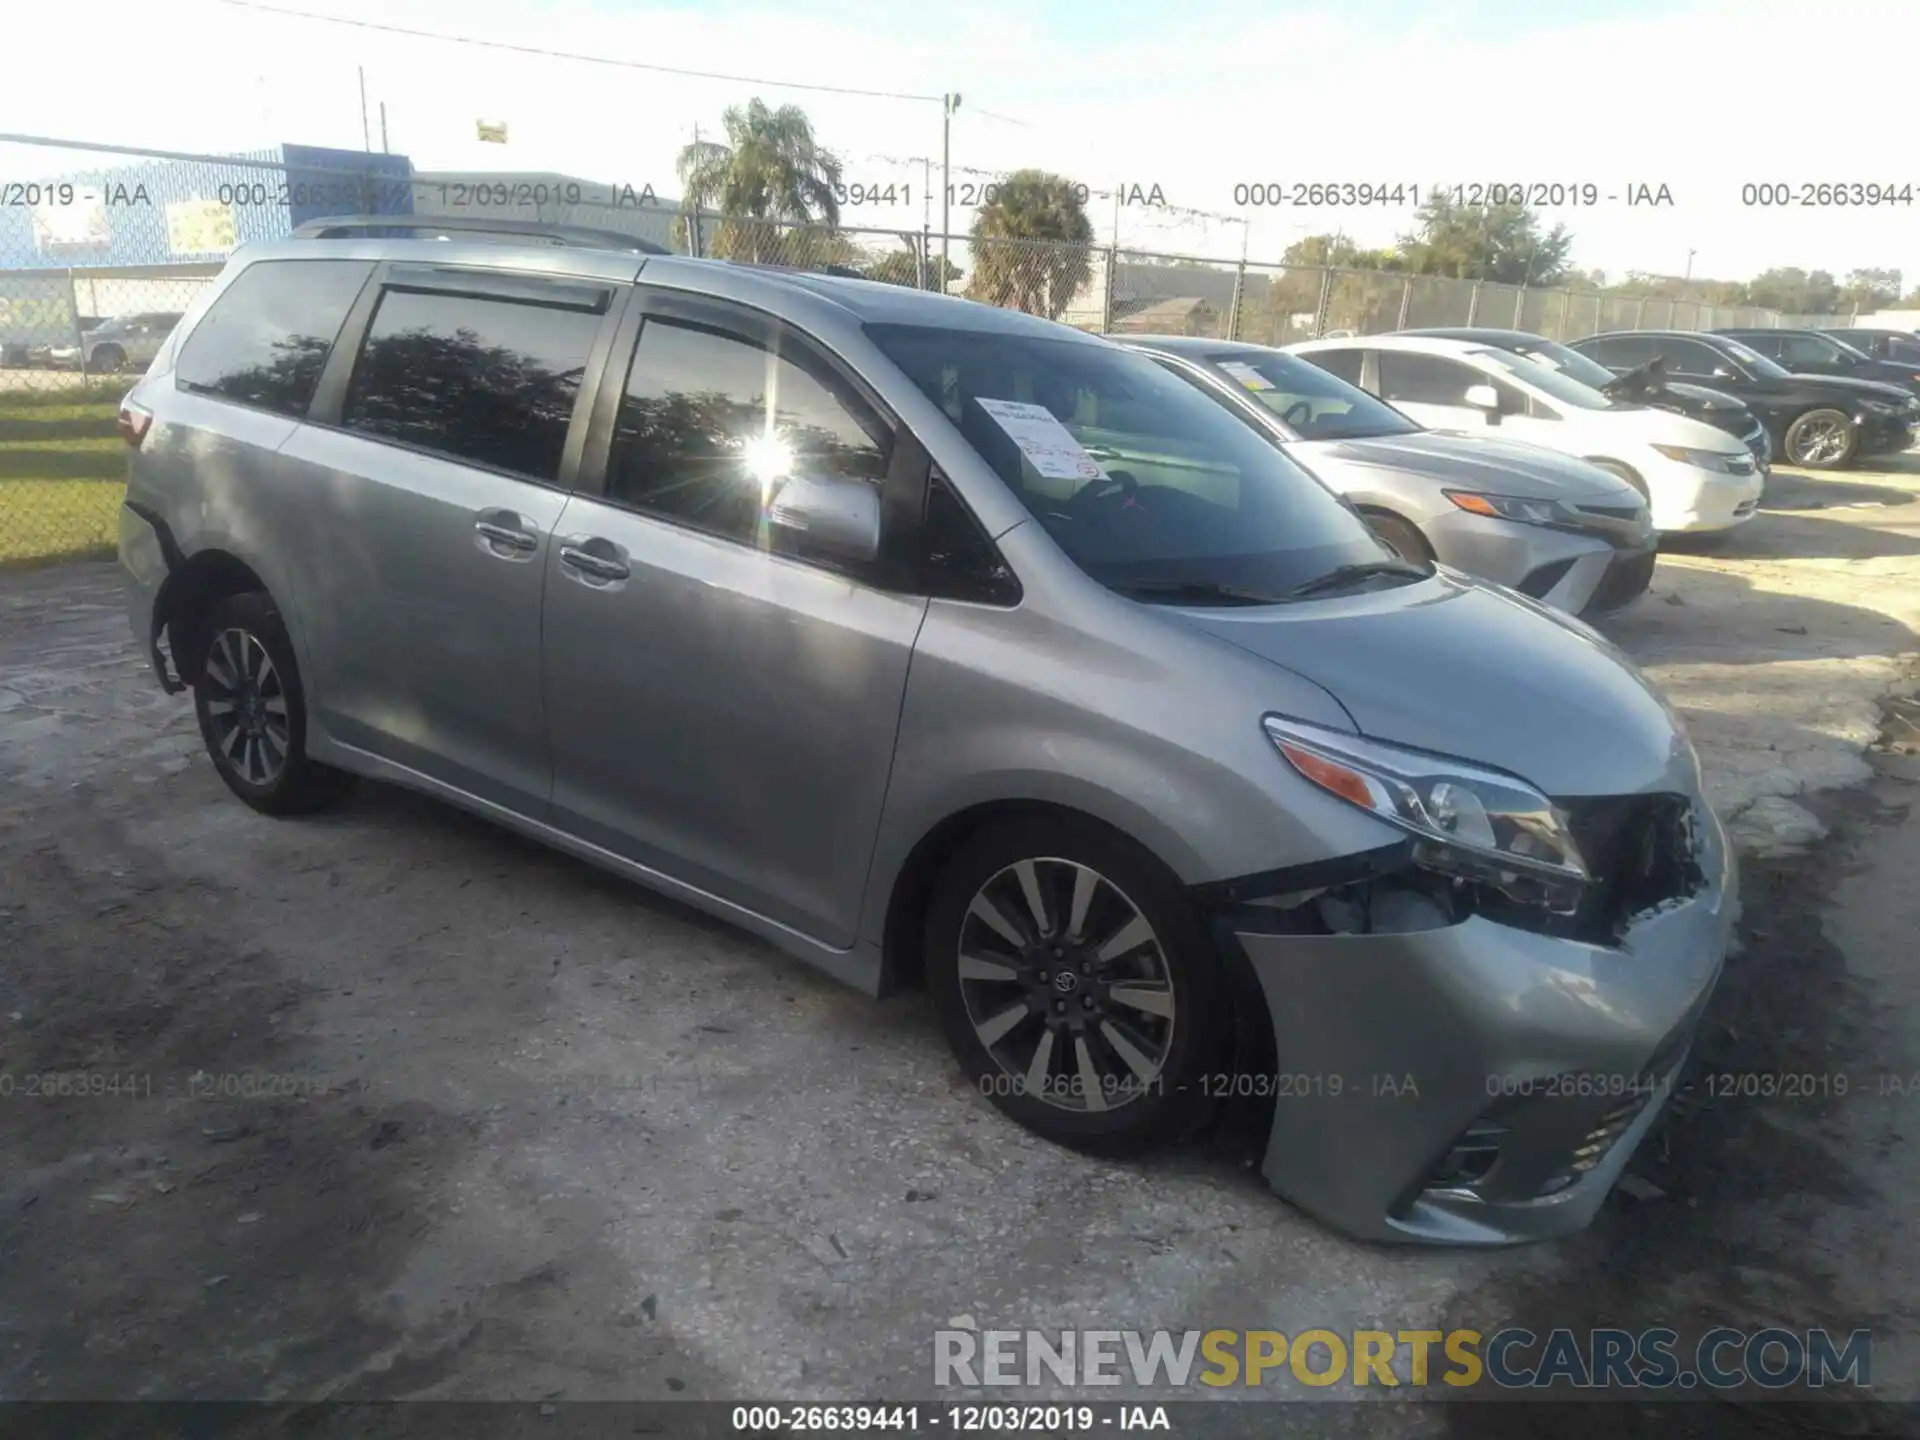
x: 383, y: 129
x: 949, y: 103
x: 366, y: 135
x: 1690, y: 255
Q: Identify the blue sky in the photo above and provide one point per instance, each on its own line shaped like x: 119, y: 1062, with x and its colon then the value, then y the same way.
x: 1192, y: 99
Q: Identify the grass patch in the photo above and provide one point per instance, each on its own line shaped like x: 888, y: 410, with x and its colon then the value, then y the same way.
x: 62, y: 475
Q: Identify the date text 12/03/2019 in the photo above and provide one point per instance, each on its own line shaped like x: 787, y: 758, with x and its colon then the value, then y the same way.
x: 1533, y: 194
x: 961, y: 1419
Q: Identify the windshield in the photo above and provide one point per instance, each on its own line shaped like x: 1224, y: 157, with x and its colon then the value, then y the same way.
x: 1311, y: 403
x: 1138, y: 476
x: 1568, y: 362
x: 1753, y: 360
x: 1555, y: 383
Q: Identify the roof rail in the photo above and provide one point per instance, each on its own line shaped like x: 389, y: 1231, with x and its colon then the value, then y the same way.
x: 580, y: 237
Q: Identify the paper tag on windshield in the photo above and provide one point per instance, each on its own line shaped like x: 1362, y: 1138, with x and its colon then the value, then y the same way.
x: 1047, y: 444
x: 1246, y: 375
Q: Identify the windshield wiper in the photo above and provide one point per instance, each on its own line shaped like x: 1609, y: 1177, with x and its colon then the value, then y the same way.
x: 1343, y: 575
x: 1200, y: 591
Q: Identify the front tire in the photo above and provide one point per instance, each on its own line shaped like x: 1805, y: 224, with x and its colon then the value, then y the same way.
x: 107, y: 360
x: 1822, y: 440
x: 1075, y: 983
x: 253, y: 711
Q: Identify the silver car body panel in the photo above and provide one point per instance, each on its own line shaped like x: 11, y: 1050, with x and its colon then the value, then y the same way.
x: 772, y: 742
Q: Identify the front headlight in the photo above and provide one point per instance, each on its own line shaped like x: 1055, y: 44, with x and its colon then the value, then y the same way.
x: 1707, y: 459
x: 1513, y: 507
x: 1467, y: 821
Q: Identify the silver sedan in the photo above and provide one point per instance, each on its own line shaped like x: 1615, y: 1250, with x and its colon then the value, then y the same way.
x: 1552, y: 527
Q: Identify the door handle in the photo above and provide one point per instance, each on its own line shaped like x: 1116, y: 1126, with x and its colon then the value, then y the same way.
x: 600, y: 567
x: 505, y: 535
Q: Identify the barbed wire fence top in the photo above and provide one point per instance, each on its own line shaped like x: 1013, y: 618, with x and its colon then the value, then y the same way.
x: 105, y: 251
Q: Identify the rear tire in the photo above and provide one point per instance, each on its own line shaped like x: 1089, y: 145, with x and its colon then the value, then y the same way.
x: 107, y: 360
x: 253, y: 712
x: 1096, y: 1029
x: 1401, y: 535
x: 1822, y: 440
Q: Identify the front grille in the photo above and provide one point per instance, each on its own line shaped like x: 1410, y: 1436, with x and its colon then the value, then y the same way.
x: 1624, y: 580
x: 1538, y: 582
x: 1642, y: 851
x: 1595, y: 1144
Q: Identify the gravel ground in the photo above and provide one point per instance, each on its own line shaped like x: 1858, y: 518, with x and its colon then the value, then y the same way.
x: 408, y: 1107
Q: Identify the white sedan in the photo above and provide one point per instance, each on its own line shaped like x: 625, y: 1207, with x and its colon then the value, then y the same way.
x: 1695, y: 477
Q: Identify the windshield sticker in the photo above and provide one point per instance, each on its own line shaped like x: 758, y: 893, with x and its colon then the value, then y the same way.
x: 1246, y: 375
x: 1047, y: 444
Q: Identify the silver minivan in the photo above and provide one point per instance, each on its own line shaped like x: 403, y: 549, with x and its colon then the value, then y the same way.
x: 943, y: 646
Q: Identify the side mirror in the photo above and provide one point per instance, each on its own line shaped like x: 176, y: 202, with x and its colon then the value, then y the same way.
x: 1721, y: 372
x: 1484, y: 397
x: 829, y: 513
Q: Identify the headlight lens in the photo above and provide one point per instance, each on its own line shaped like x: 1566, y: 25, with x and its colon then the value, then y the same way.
x: 1707, y: 459
x: 1467, y: 821
x: 1512, y: 507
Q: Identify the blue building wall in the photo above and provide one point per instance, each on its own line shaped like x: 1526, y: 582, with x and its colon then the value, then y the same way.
x: 119, y: 215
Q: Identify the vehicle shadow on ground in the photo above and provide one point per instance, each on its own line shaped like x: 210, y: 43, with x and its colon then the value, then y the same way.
x: 1695, y: 614
x: 1790, y: 491
x: 1794, y: 527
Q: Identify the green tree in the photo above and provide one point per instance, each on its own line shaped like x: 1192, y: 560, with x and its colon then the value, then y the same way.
x: 1040, y: 277
x: 1486, y: 242
x: 902, y: 267
x: 770, y: 172
x: 1794, y: 291
x: 1870, y: 289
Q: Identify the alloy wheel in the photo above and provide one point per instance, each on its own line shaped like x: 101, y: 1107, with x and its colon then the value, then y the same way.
x: 247, y: 707
x: 1066, y: 985
x: 1821, y: 442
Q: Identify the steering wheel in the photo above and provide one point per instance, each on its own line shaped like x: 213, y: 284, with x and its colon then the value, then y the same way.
x: 1297, y: 421
x: 1114, y: 482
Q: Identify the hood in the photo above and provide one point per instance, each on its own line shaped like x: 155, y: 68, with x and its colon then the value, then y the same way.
x: 1499, y: 467
x: 1711, y: 402
x: 1460, y: 667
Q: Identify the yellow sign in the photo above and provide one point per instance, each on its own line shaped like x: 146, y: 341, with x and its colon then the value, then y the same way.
x: 494, y: 132
x: 198, y: 227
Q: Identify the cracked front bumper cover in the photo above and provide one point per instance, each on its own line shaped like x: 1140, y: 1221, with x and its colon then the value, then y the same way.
x: 1393, y: 1049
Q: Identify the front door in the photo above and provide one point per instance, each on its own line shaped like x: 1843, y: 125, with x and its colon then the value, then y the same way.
x: 720, y: 709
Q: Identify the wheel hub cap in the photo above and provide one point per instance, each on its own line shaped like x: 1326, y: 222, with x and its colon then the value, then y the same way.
x: 1066, y: 985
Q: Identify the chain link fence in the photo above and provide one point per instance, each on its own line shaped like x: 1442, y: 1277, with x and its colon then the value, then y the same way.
x: 101, y: 257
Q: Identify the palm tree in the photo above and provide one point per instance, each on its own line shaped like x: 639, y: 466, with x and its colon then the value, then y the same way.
x: 770, y: 170
x: 1043, y: 276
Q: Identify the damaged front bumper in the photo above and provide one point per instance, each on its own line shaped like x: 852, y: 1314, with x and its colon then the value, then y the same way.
x: 1476, y: 1082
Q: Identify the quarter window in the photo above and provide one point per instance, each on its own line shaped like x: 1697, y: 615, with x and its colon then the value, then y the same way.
x: 712, y: 418
x: 266, y: 339
x: 482, y: 379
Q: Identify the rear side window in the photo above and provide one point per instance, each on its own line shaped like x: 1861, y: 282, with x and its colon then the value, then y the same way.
x: 265, y: 340
x: 1620, y: 352
x: 1343, y: 363
x: 482, y: 379
x: 1411, y: 378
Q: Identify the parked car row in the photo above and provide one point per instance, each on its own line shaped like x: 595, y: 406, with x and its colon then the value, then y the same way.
x: 104, y: 346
